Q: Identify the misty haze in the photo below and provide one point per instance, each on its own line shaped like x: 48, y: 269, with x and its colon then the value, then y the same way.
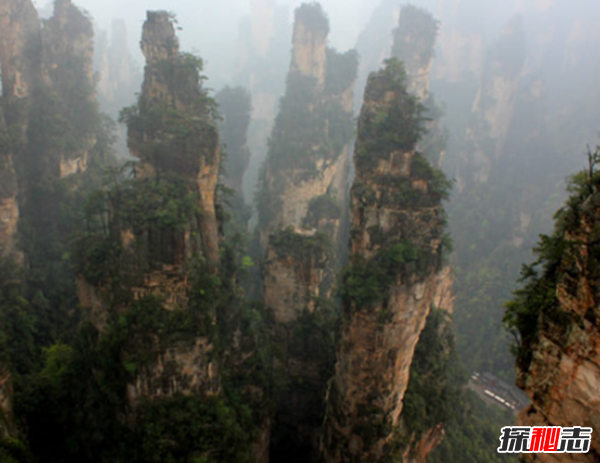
x: 268, y: 231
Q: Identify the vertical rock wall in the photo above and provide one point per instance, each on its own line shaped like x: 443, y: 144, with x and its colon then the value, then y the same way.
x: 173, y: 134
x: 68, y: 50
x: 263, y: 61
x: 302, y: 200
x: 171, y: 83
x: 235, y: 107
x: 494, y: 105
x: 414, y: 43
x: 189, y: 341
x: 40, y: 63
x: 9, y: 207
x: 397, y: 224
x: 20, y: 44
x: 558, y: 364
x: 118, y: 77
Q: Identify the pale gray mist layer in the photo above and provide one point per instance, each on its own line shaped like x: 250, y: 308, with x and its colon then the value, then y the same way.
x: 210, y: 27
x: 561, y: 37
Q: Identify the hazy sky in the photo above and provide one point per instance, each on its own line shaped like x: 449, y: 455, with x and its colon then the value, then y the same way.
x: 210, y: 27
x: 218, y: 18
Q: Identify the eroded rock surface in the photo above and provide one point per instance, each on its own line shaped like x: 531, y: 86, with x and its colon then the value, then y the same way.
x: 302, y: 203
x: 559, y: 366
x: 396, y: 233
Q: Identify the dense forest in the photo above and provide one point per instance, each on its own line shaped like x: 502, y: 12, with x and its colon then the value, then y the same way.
x: 311, y: 255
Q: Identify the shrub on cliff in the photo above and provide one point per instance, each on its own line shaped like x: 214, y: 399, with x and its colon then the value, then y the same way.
x: 535, y: 304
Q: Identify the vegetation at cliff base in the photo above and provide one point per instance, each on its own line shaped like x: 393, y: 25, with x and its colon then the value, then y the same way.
x: 434, y: 394
x: 438, y: 395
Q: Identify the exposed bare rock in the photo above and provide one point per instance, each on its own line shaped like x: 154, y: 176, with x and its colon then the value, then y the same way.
x: 178, y: 370
x: 9, y: 217
x: 171, y: 95
x: 67, y: 72
x: 302, y: 199
x: 44, y: 62
x: 291, y: 288
x: 118, y: 76
x: 20, y: 45
x: 172, y: 132
x: 494, y: 105
x: 418, y: 452
x: 9, y: 207
x: 235, y: 107
x: 262, y: 447
x: 445, y: 297
x: 95, y: 300
x: 158, y: 38
x: 395, y: 211
x: 316, y: 170
x: 310, y: 42
x: 263, y: 57
x: 559, y: 362
x: 20, y: 48
x: 414, y: 43
x: 69, y: 35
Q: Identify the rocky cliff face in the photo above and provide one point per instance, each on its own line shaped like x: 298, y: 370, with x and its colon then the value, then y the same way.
x: 46, y: 74
x: 309, y: 44
x: 118, y: 77
x: 9, y: 207
x: 263, y: 61
x: 414, y: 43
x: 20, y: 38
x: 68, y: 35
x: 151, y: 270
x: 40, y: 138
x: 185, y: 142
x: 172, y: 132
x: 494, y: 105
x: 67, y: 70
x: 318, y: 105
x: 301, y: 204
x: 235, y: 107
x: 397, y: 225
x: 20, y: 43
x: 558, y: 358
